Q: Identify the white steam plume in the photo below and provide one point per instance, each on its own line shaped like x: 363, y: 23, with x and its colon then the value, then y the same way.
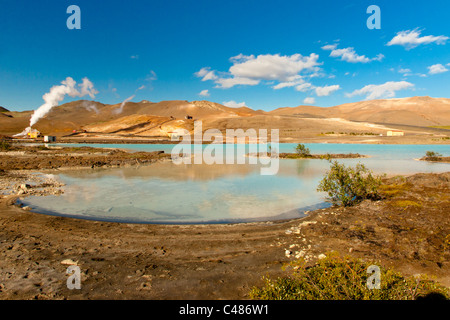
x: 57, y: 94
x: 120, y: 109
x: 89, y: 106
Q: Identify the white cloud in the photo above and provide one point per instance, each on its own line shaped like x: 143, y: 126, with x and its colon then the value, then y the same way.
x: 406, y: 70
x: 411, y: 39
x: 204, y: 93
x: 251, y: 70
x: 206, y: 74
x: 135, y: 57
x: 288, y: 84
x: 309, y: 100
x: 226, y: 83
x: 385, y: 90
x: 304, y: 87
x: 272, y: 67
x: 234, y: 104
x: 437, y: 68
x: 327, y: 90
x: 282, y: 85
x: 329, y: 47
x: 349, y: 54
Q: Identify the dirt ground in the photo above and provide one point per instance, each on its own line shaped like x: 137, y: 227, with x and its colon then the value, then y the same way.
x: 40, y: 157
x: 409, y: 230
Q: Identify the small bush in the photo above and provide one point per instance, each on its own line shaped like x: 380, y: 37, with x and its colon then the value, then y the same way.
x: 348, y: 186
x: 301, y: 150
x: 336, y: 278
x: 5, y: 145
x: 432, y: 156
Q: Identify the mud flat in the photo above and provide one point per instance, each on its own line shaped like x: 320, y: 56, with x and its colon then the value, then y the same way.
x: 40, y: 157
x: 408, y: 230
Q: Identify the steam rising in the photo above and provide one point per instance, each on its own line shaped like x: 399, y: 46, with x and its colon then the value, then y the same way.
x: 120, y: 109
x: 57, y: 94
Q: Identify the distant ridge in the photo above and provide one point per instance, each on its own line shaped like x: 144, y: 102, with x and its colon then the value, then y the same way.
x: 147, y: 118
x: 416, y: 111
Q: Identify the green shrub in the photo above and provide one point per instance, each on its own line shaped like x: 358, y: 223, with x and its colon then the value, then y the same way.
x: 336, y: 278
x: 301, y: 150
x: 348, y: 186
x: 432, y: 156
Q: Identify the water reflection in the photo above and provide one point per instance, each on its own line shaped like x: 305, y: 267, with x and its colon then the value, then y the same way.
x: 168, y: 193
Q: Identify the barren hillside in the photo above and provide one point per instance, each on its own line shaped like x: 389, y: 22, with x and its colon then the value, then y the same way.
x: 158, y: 119
x: 415, y: 111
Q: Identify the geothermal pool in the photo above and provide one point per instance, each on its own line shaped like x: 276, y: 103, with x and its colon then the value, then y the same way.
x: 199, y: 193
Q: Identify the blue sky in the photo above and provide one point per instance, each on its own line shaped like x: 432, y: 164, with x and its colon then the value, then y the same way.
x: 263, y: 54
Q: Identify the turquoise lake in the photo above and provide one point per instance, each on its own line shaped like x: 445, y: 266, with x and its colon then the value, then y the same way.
x: 218, y: 193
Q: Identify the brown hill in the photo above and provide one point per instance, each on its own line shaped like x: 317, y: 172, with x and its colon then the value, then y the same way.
x: 147, y: 118
x: 415, y: 111
x: 140, y: 125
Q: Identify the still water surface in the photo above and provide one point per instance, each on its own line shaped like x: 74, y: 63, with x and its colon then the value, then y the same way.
x: 169, y: 193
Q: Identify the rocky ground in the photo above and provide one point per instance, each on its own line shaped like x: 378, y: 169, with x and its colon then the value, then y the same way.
x: 409, y: 230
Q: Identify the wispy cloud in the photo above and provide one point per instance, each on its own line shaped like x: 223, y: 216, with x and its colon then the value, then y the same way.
x: 404, y: 71
x: 234, y: 104
x: 204, y: 93
x: 349, y: 54
x: 326, y: 90
x: 411, y: 39
x: 309, y: 100
x: 151, y: 76
x: 437, y: 68
x: 385, y: 90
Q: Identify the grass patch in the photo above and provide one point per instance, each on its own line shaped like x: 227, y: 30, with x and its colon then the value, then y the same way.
x: 391, y: 190
x: 344, y: 278
x: 406, y: 204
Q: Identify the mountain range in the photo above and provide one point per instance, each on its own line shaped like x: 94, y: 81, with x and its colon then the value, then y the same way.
x: 159, y: 119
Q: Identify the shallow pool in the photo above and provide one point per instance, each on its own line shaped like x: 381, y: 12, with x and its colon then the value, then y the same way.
x: 201, y: 193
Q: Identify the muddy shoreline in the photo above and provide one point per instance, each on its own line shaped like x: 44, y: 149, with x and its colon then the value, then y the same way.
x: 409, y: 230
